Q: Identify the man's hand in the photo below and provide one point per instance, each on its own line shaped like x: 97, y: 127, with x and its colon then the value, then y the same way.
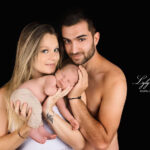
x: 82, y: 84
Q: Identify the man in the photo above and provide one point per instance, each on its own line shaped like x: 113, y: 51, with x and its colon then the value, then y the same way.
x: 106, y: 92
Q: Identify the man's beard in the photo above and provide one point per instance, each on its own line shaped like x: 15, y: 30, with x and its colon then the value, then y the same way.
x: 86, y: 57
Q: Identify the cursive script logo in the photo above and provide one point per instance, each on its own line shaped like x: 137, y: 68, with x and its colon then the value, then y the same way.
x: 143, y: 82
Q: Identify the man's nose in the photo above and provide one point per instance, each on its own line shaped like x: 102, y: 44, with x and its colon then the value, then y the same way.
x: 74, y: 48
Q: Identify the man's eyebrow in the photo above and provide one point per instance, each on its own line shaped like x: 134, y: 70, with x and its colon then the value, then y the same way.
x: 80, y: 36
x: 64, y: 38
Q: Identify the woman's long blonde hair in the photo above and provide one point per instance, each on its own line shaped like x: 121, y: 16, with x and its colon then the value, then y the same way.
x: 26, y: 51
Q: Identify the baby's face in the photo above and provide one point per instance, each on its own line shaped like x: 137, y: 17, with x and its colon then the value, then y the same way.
x: 66, y: 77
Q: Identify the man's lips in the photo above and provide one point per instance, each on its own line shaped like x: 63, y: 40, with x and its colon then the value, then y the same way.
x: 76, y: 56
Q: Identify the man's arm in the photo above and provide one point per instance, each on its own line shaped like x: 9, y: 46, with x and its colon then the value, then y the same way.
x: 100, y: 133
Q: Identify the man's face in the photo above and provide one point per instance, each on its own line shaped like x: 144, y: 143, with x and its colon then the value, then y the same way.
x: 79, y: 42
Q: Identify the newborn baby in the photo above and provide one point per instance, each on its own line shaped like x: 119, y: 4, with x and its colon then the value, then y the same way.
x: 34, y: 92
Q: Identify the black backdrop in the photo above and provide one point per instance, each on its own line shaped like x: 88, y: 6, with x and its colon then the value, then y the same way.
x: 127, y: 46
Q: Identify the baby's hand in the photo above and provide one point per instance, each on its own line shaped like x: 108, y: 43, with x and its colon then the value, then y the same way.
x: 51, y: 100
x: 74, y: 123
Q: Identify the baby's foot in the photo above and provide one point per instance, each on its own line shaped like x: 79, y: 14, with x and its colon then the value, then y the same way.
x: 42, y: 140
x: 43, y: 132
x: 51, y: 136
x: 35, y: 135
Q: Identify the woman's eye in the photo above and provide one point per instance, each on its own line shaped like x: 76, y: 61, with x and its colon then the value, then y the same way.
x: 44, y: 51
x: 56, y: 50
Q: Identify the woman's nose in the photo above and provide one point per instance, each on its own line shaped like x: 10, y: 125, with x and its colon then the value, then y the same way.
x: 53, y: 56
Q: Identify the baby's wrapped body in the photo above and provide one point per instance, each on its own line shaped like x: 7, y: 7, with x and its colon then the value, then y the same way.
x: 38, y: 132
x: 26, y: 96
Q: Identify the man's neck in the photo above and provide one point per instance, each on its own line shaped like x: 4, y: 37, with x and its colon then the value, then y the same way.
x: 94, y: 64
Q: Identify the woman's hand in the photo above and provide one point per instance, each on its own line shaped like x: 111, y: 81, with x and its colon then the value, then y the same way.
x: 82, y: 84
x: 24, y: 113
x: 51, y: 100
x: 22, y: 110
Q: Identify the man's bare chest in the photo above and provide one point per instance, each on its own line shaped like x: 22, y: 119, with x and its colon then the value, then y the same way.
x: 94, y: 97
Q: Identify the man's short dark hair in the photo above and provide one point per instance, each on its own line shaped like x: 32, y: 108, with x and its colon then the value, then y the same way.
x: 72, y: 17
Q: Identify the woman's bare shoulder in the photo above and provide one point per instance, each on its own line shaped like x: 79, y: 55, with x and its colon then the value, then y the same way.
x: 3, y: 113
x: 2, y: 93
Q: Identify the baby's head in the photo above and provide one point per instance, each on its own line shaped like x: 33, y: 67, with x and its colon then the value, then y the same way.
x: 67, y: 76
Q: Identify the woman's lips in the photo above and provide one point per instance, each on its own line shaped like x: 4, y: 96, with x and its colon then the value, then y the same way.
x: 51, y: 65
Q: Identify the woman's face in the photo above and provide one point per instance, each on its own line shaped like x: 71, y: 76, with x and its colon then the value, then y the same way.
x: 47, y: 57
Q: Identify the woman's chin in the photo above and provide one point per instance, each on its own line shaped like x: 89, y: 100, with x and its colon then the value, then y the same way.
x: 49, y: 72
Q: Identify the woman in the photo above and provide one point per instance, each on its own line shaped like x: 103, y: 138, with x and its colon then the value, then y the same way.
x: 38, y: 54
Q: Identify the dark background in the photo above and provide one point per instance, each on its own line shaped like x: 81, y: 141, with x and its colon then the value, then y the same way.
x: 127, y: 46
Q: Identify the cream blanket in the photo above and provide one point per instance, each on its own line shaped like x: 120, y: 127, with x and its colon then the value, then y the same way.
x: 25, y: 95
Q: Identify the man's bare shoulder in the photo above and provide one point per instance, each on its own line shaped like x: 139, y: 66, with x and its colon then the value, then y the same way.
x: 114, y: 78
x: 115, y: 73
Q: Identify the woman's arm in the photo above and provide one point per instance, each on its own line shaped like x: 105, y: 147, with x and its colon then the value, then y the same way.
x: 65, y: 132
x: 15, y: 139
x: 63, y: 129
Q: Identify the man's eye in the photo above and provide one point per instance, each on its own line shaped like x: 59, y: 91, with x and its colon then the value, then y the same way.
x: 81, y: 39
x: 44, y: 51
x: 56, y: 50
x: 66, y: 41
